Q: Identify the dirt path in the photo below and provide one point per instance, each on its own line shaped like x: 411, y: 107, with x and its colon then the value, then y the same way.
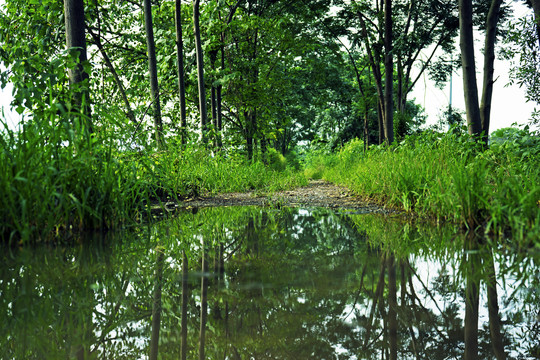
x: 318, y: 193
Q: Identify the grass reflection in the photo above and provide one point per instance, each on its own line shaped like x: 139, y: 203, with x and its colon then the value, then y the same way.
x: 287, y: 284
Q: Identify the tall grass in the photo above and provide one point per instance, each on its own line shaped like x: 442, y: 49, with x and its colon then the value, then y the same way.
x: 55, y: 180
x: 448, y: 177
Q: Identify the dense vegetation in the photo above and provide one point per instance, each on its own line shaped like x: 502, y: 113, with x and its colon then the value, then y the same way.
x: 125, y: 104
x: 449, y: 177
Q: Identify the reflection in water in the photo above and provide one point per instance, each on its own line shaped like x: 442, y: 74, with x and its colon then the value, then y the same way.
x: 252, y: 283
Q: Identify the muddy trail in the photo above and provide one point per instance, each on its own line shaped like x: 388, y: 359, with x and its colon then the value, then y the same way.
x: 318, y: 193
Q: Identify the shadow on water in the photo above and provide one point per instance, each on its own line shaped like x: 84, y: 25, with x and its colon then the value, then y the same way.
x: 252, y: 283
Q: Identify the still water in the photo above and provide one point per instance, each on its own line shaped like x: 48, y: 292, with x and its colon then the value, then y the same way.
x: 272, y: 284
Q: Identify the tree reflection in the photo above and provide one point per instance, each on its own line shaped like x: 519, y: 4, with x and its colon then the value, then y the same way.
x: 289, y: 284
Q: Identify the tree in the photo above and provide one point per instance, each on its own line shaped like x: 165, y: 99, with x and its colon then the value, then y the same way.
x: 180, y: 70
x: 76, y: 43
x: 478, y: 116
x: 152, y: 67
x: 421, y: 27
x: 200, y: 71
x: 389, y: 75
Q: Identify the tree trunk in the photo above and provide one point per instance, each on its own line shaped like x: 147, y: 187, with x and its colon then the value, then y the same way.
x: 380, y: 116
x: 374, y: 61
x: 264, y: 150
x: 152, y: 68
x: 470, y: 87
x: 213, y: 96
x: 366, y: 130
x: 200, y: 72
x: 76, y: 39
x: 180, y: 71
x: 219, y: 117
x: 389, y: 75
x: 489, y: 59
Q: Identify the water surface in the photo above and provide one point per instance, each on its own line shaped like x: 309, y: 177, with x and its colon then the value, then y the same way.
x: 278, y: 284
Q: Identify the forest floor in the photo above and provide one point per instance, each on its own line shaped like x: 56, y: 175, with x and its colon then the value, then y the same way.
x: 318, y: 193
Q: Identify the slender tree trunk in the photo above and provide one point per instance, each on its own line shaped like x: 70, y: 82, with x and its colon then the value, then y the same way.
x: 180, y: 71
x: 152, y: 67
x: 470, y: 87
x: 374, y: 61
x: 402, y: 83
x: 156, y: 306
x: 489, y: 59
x: 264, y: 150
x: 185, y: 299
x: 366, y: 132
x: 380, y: 116
x: 76, y: 39
x: 200, y: 72
x: 219, y: 100
x: 213, y: 96
x: 389, y: 75
x: 219, y: 118
x: 249, y: 135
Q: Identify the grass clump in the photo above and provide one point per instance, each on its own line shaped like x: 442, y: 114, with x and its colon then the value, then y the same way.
x: 56, y: 179
x: 449, y: 177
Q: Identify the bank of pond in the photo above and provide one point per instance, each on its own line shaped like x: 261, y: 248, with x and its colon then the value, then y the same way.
x: 263, y: 283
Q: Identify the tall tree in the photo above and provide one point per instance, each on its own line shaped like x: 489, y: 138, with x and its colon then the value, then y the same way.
x: 389, y: 74
x: 200, y: 70
x: 76, y: 40
x: 478, y: 116
x: 180, y: 70
x: 152, y: 67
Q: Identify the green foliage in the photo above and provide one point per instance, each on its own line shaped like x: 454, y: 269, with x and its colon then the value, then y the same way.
x: 57, y: 181
x: 522, y: 39
x: 276, y: 161
x: 449, y: 177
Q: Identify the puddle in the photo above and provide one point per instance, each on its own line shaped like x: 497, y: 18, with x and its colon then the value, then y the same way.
x: 287, y: 284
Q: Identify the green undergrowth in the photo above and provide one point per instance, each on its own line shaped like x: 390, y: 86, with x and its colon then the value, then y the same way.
x: 56, y: 181
x: 448, y: 177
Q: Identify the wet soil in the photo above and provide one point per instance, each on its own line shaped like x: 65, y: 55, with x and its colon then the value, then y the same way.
x: 318, y: 193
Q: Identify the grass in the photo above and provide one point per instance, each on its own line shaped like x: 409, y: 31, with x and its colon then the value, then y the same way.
x: 448, y: 177
x: 56, y: 181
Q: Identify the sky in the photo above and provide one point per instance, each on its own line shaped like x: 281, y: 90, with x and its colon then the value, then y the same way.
x: 508, y: 106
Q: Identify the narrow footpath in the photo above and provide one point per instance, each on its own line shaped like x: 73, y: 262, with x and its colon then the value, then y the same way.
x: 318, y: 193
